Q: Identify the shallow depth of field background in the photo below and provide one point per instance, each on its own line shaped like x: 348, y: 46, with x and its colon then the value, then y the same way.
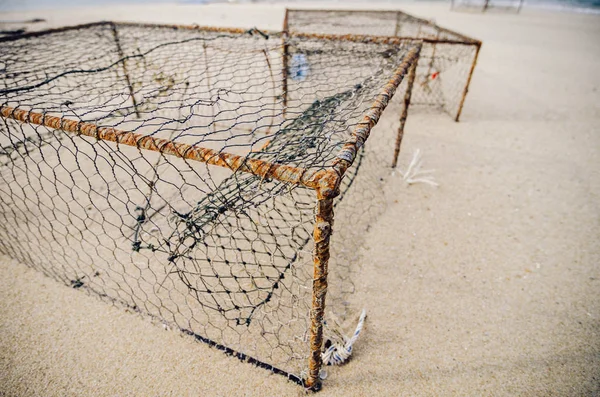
x: 486, y: 285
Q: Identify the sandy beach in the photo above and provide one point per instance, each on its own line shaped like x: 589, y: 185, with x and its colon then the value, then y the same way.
x: 488, y: 285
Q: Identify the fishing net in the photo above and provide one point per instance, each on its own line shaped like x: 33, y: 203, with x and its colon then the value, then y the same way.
x: 176, y: 170
x: 487, y: 5
x: 447, y: 59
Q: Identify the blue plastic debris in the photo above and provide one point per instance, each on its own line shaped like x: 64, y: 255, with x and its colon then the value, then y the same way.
x: 299, y: 69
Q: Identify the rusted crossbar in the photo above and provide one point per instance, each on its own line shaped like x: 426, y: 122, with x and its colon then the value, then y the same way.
x: 236, y: 163
x: 347, y: 154
x: 463, y: 39
x: 368, y: 39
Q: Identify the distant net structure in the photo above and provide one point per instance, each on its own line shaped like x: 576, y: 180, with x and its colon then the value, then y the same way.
x: 487, y: 5
x: 447, y: 60
x: 15, y: 27
x: 191, y: 174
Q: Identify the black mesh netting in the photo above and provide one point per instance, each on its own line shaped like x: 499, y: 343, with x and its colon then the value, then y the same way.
x: 445, y: 62
x: 487, y: 5
x: 223, y: 255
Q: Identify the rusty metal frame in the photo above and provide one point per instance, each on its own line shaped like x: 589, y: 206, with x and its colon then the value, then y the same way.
x: 398, y: 13
x: 459, y: 40
x: 213, y: 29
x: 488, y: 5
x: 407, y: 95
x: 236, y: 163
x: 328, y: 190
x: 468, y: 83
x: 359, y: 38
x: 324, y: 182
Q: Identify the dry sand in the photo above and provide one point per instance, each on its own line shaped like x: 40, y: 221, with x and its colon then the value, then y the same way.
x: 487, y: 285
